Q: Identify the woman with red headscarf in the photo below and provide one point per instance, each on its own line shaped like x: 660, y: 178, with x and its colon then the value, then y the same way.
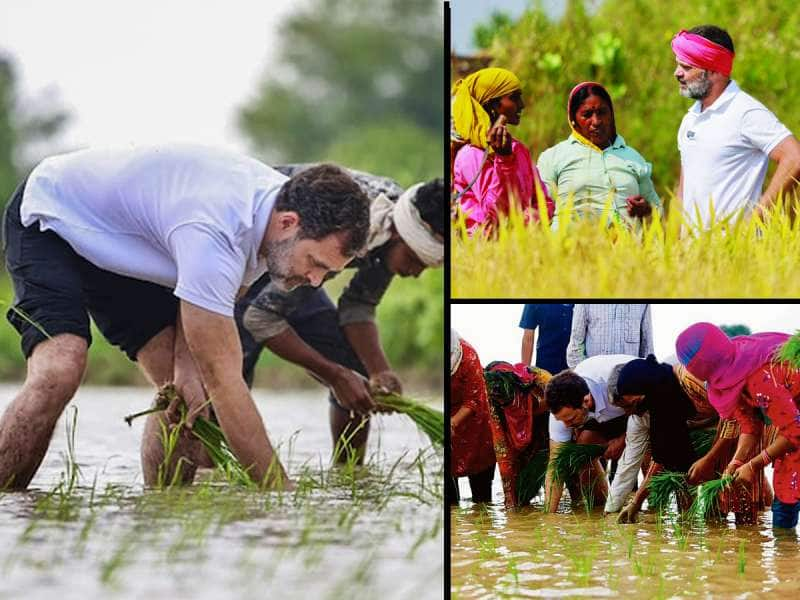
x: 595, y: 163
x: 471, y: 451
x: 746, y: 380
x: 491, y: 167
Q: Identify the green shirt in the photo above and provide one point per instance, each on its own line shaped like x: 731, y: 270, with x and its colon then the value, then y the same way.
x: 573, y: 168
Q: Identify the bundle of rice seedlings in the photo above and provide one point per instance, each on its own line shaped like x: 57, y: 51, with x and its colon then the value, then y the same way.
x: 702, y: 440
x: 531, y: 477
x: 790, y: 351
x: 706, y: 503
x: 570, y: 458
x: 210, y: 435
x: 662, y: 486
x: 429, y: 420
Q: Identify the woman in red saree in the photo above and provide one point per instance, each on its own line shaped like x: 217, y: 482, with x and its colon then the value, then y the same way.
x: 471, y: 452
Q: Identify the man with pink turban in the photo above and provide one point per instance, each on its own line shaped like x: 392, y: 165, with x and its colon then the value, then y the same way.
x: 746, y: 380
x: 727, y: 138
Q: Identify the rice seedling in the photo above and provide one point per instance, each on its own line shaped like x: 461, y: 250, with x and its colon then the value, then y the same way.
x: 663, y: 486
x: 702, y: 440
x: 571, y: 458
x: 429, y: 420
x: 790, y: 351
x: 531, y: 477
x: 706, y: 502
x: 584, y: 258
x: 742, y: 558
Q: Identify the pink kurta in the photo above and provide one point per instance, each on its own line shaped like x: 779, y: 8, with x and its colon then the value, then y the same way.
x: 500, y: 178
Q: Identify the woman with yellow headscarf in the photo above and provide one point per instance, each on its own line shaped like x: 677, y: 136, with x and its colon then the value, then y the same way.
x: 492, y: 166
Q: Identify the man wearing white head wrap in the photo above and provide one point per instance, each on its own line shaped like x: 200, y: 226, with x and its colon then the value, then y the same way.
x: 340, y: 344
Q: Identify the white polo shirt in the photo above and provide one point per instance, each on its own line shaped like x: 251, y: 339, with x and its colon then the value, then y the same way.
x: 186, y: 217
x: 595, y: 372
x: 725, y: 153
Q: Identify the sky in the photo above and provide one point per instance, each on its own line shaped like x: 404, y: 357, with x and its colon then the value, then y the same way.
x: 139, y: 72
x: 493, y: 329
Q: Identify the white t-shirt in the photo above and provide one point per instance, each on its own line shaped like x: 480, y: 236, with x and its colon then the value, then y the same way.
x: 725, y: 153
x: 595, y: 372
x: 186, y: 217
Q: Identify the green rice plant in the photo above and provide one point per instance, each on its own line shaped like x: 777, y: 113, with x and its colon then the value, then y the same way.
x: 429, y: 420
x: 571, y: 458
x: 531, y: 477
x: 662, y: 486
x: 702, y: 440
x: 706, y: 502
x: 742, y: 258
x: 790, y: 351
x: 742, y: 558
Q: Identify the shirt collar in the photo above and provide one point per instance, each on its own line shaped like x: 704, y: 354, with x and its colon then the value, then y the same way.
x: 727, y: 95
x: 619, y: 142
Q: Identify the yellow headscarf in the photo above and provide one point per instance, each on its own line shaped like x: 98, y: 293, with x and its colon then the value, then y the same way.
x: 471, y: 121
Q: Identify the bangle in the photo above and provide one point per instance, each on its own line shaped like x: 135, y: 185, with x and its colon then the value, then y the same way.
x: 752, y: 468
x: 765, y: 457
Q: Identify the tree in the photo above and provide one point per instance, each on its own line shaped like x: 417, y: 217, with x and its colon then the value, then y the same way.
x: 346, y: 65
x: 21, y: 124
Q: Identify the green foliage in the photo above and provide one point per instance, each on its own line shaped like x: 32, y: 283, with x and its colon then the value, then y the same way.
x: 531, y: 477
x: 734, y: 330
x: 625, y: 46
x: 348, y: 64
x: 484, y: 33
x: 702, y: 440
x: 790, y: 351
x: 663, y: 485
x: 429, y: 420
x: 571, y: 458
x: 706, y: 503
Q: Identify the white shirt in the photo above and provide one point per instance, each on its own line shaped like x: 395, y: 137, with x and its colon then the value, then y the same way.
x: 186, y: 217
x: 595, y: 372
x: 725, y: 153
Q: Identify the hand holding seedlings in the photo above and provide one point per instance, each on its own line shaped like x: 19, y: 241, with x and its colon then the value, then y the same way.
x: 384, y: 383
x: 700, y: 471
x: 352, y: 391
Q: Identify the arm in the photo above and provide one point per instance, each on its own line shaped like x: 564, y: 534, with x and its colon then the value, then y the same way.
x: 528, y: 339
x: 552, y: 490
x: 703, y: 468
x: 214, y: 344
x: 349, y: 388
x: 576, y: 351
x: 637, y: 438
x: 787, y: 156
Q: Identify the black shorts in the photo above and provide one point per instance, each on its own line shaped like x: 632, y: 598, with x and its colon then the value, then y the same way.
x: 55, y: 291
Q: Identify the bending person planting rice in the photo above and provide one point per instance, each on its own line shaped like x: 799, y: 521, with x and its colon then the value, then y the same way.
x: 581, y: 412
x: 341, y: 344
x: 155, y: 243
x: 748, y: 380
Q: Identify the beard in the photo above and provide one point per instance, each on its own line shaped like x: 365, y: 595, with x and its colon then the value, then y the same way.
x: 697, y: 90
x: 279, y: 265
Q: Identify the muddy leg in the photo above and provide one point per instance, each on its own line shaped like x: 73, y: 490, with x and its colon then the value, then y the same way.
x: 55, y: 369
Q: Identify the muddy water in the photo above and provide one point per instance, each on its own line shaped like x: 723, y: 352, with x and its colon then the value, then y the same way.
x: 529, y: 554
x: 379, y: 535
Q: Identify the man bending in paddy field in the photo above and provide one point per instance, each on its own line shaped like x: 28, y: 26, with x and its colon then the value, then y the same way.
x: 727, y: 138
x: 155, y: 243
x: 341, y: 345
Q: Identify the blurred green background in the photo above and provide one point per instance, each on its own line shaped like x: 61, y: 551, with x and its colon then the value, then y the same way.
x: 625, y: 45
x: 358, y: 85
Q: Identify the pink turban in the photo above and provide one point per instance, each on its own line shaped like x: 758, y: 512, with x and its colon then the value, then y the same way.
x: 702, y: 53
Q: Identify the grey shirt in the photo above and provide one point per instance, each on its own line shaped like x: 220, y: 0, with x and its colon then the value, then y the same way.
x: 610, y: 329
x: 264, y: 315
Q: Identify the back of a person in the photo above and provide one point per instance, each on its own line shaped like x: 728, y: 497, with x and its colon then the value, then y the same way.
x: 113, y: 205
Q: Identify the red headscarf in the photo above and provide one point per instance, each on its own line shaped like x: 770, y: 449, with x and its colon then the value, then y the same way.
x: 724, y: 363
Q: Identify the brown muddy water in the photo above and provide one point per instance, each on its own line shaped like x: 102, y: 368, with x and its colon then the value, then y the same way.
x: 529, y: 554
x: 373, y: 534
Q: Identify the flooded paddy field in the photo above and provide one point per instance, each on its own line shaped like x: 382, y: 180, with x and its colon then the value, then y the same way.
x: 95, y: 532
x: 529, y: 554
